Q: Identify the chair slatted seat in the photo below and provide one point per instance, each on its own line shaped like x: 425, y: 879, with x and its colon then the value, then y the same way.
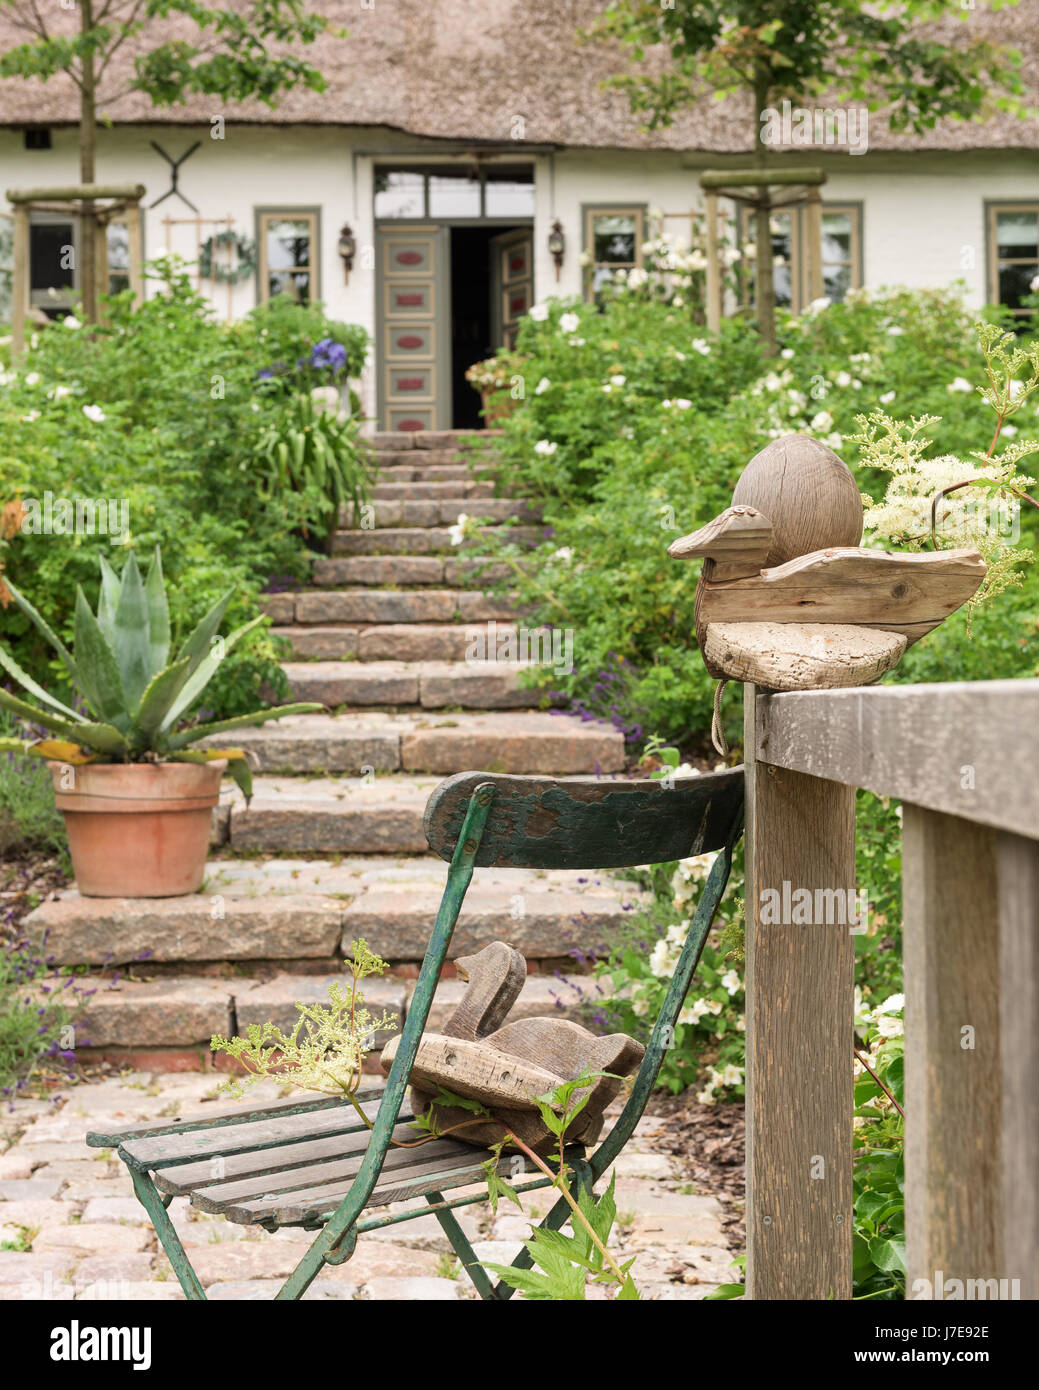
x: 315, y: 1162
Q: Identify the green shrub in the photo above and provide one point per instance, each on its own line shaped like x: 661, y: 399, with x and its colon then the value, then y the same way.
x: 160, y: 409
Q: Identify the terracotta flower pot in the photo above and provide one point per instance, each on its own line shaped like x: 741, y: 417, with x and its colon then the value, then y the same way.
x: 497, y: 405
x: 137, y: 830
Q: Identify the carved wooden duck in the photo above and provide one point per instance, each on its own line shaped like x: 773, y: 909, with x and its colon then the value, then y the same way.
x: 504, y: 1065
x: 788, y: 599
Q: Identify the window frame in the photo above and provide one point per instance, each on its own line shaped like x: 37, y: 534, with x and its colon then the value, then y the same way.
x: 297, y: 213
x: 993, y: 207
x: 589, y: 211
x: 855, y: 209
x: 450, y: 169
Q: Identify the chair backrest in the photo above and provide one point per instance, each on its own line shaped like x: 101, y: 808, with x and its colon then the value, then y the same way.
x: 587, y: 822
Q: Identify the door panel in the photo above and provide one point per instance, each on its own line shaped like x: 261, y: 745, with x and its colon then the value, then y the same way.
x: 413, y: 330
x: 512, y: 289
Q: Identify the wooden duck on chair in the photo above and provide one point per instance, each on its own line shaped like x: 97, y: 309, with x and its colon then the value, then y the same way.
x: 482, y: 1057
x: 788, y: 599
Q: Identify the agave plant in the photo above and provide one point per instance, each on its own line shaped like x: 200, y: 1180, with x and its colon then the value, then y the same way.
x: 134, y: 694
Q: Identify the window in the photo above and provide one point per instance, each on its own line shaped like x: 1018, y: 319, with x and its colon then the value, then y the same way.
x: 455, y: 192
x: 613, y: 240
x: 1013, y: 240
x: 288, y: 245
x: 841, y: 253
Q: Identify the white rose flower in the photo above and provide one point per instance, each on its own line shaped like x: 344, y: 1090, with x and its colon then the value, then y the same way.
x: 842, y: 379
x: 659, y: 960
x: 618, y: 380
x: 959, y: 383
x: 706, y: 1096
x: 732, y: 982
x: 539, y: 313
x: 70, y: 321
x: 702, y: 346
x: 787, y: 353
x: 887, y: 398
x: 545, y: 447
x: 94, y: 412
x: 565, y: 552
x: 822, y: 421
x: 542, y: 386
x: 32, y: 415
x: 637, y: 278
x: 456, y: 533
x: 56, y: 393
x: 32, y: 379
x: 569, y: 323
x: 889, y: 1027
x: 730, y: 1076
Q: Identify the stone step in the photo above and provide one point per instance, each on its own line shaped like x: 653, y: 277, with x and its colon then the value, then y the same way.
x: 407, y: 571
x: 396, y: 641
x: 295, y: 910
x: 519, y: 741
x: 397, y: 440
x: 433, y: 685
x: 432, y: 473
x: 437, y: 511
x: 429, y: 540
x: 430, y: 490
x: 392, y: 606
x: 185, y: 1012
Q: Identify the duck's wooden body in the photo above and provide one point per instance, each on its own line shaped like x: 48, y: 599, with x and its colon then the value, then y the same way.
x: 835, y: 615
x: 506, y: 1067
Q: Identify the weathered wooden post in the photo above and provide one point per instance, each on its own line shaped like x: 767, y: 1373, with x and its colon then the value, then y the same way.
x: 19, y: 278
x: 787, y: 547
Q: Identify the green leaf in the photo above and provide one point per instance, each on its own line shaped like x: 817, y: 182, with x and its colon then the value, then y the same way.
x: 131, y: 644
x: 158, y: 613
x: 79, y: 733
x: 41, y: 624
x: 724, y: 1292
x: 241, y: 774
x: 888, y: 1253
x: 108, y: 600
x: 198, y: 644
x: 630, y: 1294
x: 240, y: 721
x: 895, y: 1078
x: 162, y: 690
x: 203, y: 671
x: 27, y: 683
x: 99, y: 678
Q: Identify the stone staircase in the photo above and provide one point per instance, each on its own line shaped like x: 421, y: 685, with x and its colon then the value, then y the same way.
x: 331, y: 846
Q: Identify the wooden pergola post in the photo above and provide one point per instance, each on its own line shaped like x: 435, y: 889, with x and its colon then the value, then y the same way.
x: 800, y: 834
x: 19, y: 278
x: 713, y: 289
x: 77, y: 200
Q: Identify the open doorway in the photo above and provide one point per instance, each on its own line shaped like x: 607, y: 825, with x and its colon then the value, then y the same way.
x: 491, y: 289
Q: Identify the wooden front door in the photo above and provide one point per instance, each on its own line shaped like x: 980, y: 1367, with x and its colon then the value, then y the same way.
x: 512, y: 282
x: 414, y: 328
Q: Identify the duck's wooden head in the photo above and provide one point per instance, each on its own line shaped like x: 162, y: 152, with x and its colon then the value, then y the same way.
x: 495, y: 976
x: 787, y: 599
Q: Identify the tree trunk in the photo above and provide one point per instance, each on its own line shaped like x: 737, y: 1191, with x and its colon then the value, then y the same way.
x: 89, y: 230
x: 765, y: 294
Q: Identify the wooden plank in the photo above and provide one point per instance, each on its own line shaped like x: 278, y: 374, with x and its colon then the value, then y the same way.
x: 75, y: 192
x: 954, y: 1187
x: 813, y: 248
x: 324, y: 1161
x: 968, y: 748
x: 399, y: 1179
x: 133, y: 237
x: 801, y: 831
x: 587, y: 822
x: 1017, y: 861
x: 267, y: 1163
x: 297, y: 1104
x: 910, y: 594
x: 166, y: 1150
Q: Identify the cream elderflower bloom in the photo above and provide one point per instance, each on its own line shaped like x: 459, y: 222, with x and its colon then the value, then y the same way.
x: 569, y: 323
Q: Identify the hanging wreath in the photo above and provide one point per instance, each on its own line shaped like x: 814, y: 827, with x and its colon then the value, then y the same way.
x: 214, y: 269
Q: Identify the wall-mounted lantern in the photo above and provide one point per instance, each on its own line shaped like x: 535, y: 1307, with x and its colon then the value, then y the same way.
x: 557, y: 245
x: 347, y: 248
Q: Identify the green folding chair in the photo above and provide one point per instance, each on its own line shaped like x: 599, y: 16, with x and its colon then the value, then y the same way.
x: 313, y: 1163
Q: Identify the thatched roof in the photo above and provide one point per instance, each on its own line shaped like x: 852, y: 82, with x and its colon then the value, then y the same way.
x: 464, y: 70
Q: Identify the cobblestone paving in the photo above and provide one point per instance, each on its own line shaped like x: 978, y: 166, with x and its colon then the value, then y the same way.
x: 71, y: 1228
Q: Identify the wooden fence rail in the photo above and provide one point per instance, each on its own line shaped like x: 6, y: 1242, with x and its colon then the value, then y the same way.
x: 964, y: 761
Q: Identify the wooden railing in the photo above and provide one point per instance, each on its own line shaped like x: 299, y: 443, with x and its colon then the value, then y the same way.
x: 964, y: 760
